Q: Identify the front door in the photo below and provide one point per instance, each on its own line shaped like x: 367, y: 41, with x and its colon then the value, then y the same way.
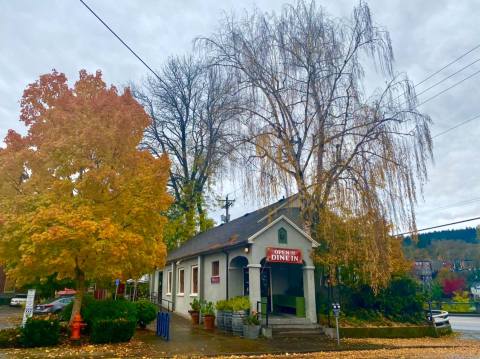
x: 265, y: 287
x: 160, y: 287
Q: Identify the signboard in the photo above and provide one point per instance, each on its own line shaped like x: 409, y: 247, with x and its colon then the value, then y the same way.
x: 28, y: 306
x: 284, y: 255
x: 215, y: 279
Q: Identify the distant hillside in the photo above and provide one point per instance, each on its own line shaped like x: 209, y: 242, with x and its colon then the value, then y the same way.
x: 468, y: 235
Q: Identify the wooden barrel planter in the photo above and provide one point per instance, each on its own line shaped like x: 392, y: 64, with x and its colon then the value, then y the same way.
x: 227, y: 320
x: 220, y: 320
x: 238, y: 318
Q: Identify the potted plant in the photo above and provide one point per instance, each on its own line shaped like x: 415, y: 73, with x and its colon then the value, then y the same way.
x: 208, y: 313
x: 251, y: 328
x: 240, y: 308
x: 220, y: 306
x: 195, y: 311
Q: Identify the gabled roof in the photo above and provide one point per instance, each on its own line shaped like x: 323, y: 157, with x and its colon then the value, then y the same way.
x: 237, y: 232
x: 281, y: 217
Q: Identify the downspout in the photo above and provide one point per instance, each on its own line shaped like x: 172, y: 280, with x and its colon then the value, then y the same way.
x: 226, y: 274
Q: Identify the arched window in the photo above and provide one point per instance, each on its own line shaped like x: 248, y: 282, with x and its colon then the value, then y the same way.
x: 282, y: 236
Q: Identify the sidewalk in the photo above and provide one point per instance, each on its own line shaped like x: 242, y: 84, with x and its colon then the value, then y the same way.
x: 194, y: 340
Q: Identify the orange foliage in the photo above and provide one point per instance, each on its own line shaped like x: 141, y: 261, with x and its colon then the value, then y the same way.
x: 77, y: 195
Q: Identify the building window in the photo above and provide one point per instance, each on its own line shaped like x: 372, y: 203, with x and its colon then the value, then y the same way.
x: 169, y: 283
x: 216, y: 269
x: 194, y: 280
x: 181, y: 281
x: 282, y: 236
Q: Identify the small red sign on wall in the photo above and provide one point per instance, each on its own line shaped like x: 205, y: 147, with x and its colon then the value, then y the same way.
x: 215, y: 279
x: 284, y: 255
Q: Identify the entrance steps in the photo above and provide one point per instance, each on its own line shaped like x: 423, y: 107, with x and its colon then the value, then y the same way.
x: 291, y: 326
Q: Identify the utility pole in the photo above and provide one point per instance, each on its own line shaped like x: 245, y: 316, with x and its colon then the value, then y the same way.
x: 227, y: 204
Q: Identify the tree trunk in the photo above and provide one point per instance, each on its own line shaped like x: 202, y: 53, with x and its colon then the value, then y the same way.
x: 77, y: 303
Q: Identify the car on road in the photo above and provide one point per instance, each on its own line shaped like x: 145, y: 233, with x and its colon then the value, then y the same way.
x: 18, y: 300
x: 53, y: 307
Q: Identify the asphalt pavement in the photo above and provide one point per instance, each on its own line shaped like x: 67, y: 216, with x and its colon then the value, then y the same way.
x: 467, y: 326
x: 10, y: 317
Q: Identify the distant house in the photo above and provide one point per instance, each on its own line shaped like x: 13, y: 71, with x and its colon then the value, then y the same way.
x: 423, y: 270
x: 265, y: 255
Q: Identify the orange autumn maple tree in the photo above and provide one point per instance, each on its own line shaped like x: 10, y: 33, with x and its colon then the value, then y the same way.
x: 77, y: 195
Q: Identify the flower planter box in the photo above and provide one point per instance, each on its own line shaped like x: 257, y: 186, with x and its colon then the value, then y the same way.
x: 227, y: 320
x: 221, y: 320
x: 195, y: 315
x: 251, y: 331
x: 238, y: 318
x: 209, y: 322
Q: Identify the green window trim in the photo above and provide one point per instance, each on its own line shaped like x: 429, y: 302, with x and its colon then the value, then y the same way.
x: 282, y: 236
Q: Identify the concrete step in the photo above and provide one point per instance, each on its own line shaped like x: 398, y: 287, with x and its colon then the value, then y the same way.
x: 276, y: 333
x: 294, y: 326
x: 288, y: 320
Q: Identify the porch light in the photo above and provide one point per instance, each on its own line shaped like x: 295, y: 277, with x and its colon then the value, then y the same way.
x: 246, y: 249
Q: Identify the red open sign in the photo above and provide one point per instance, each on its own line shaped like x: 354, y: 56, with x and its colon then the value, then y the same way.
x: 284, y: 255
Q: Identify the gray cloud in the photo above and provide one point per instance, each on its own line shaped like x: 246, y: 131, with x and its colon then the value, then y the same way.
x: 36, y: 36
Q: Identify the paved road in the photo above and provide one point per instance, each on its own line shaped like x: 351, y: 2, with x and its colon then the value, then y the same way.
x: 10, y: 317
x: 468, y: 327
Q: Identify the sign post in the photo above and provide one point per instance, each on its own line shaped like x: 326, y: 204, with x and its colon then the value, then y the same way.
x: 117, y: 283
x: 336, y: 312
x: 28, y: 306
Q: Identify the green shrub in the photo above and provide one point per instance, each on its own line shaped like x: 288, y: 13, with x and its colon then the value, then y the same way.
x: 240, y: 303
x: 40, y: 332
x: 109, y: 309
x: 221, y: 305
x: 67, y: 311
x: 93, y: 309
x: 146, y: 312
x: 10, y: 338
x: 390, y: 332
x: 252, y: 319
x: 195, y: 305
x: 402, y: 301
x: 208, y: 309
x: 112, y: 330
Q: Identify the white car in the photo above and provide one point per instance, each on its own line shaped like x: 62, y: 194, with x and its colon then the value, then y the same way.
x: 19, y: 300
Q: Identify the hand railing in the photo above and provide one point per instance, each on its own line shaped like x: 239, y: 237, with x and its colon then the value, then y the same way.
x: 169, y: 304
x: 260, y: 312
x: 154, y: 298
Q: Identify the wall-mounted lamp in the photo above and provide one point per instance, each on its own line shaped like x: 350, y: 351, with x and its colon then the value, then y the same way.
x: 246, y: 249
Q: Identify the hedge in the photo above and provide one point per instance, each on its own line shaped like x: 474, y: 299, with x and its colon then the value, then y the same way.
x: 10, y: 338
x: 93, y: 309
x: 112, y: 330
x: 394, y: 332
x: 40, y: 332
x: 146, y: 312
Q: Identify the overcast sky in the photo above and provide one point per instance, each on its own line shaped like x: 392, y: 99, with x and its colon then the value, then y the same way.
x: 39, y: 35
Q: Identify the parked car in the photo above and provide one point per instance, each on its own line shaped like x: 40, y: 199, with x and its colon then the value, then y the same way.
x: 18, y: 300
x: 53, y: 307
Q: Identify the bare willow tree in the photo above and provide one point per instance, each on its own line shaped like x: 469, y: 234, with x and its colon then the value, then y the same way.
x: 191, y: 106
x: 355, y: 154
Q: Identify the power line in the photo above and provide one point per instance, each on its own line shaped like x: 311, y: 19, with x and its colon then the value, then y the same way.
x: 448, y: 88
x: 456, y: 126
x: 457, y: 204
x: 448, y: 77
x: 123, y: 42
x: 439, y: 226
x: 448, y: 65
